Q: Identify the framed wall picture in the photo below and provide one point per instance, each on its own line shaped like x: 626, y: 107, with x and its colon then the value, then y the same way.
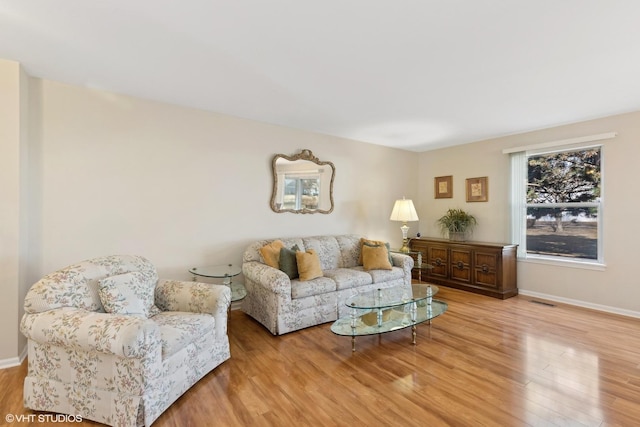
x: 444, y: 187
x: 478, y: 189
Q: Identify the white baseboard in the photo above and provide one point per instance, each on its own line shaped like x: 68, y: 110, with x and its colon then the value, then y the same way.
x: 584, y: 304
x: 14, y: 361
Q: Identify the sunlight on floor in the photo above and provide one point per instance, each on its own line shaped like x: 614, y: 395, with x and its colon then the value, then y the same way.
x: 563, y: 380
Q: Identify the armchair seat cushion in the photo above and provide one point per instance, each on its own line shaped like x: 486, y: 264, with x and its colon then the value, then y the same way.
x: 177, y: 329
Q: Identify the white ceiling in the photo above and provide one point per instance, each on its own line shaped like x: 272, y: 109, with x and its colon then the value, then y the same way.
x: 412, y: 74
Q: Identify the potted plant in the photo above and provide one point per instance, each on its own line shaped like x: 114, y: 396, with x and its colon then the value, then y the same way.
x: 457, y: 223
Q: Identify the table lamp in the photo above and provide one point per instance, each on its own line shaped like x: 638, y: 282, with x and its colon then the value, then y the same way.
x: 404, y: 211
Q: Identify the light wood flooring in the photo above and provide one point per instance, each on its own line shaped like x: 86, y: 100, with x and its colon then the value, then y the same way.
x: 485, y: 362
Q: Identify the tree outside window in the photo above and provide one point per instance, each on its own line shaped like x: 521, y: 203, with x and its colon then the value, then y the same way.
x: 563, y: 204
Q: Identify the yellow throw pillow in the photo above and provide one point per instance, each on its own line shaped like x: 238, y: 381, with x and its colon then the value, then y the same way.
x: 375, y: 258
x: 271, y: 253
x: 308, y: 265
x: 364, y: 241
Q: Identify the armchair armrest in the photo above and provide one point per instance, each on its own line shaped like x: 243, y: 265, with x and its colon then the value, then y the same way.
x: 121, y: 335
x: 194, y: 297
x: 268, y: 277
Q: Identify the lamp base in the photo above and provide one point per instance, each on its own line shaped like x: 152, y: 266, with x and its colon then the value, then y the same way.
x: 405, y: 230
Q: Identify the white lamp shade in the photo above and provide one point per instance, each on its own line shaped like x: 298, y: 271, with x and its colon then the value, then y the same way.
x: 404, y: 211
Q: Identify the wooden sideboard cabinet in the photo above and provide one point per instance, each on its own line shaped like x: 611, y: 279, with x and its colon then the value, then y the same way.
x: 483, y: 268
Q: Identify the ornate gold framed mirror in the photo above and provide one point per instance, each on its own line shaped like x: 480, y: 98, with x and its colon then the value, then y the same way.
x: 302, y: 183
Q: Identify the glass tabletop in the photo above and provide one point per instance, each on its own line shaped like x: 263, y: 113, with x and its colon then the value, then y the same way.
x: 391, y: 297
x: 217, y: 271
x: 388, y: 319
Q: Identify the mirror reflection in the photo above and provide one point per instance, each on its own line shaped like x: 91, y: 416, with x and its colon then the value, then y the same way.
x: 302, y: 184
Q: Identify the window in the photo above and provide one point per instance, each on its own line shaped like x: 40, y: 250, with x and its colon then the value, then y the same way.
x: 557, y: 200
x: 301, y: 193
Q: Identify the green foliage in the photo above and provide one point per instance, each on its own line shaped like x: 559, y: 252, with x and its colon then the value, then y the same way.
x: 572, y: 176
x: 456, y: 221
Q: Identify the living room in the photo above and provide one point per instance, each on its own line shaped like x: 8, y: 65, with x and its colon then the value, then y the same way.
x: 180, y: 206
x: 89, y: 172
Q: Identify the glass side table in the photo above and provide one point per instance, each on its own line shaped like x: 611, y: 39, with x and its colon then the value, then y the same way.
x: 418, y: 265
x: 226, y: 273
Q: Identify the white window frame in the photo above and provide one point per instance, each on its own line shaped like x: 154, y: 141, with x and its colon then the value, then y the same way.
x: 519, y: 182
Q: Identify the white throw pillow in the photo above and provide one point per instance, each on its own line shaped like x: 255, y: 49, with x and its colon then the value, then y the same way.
x: 128, y: 293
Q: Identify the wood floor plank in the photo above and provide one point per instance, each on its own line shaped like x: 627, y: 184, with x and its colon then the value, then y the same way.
x: 486, y: 361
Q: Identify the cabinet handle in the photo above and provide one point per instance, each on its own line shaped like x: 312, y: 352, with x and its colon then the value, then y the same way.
x: 460, y: 265
x: 485, y: 268
x: 438, y: 262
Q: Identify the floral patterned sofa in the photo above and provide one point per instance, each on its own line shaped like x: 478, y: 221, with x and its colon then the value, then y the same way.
x: 109, y: 342
x: 284, y: 305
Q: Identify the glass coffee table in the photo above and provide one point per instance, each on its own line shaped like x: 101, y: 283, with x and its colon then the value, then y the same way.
x: 387, y: 310
x: 226, y: 273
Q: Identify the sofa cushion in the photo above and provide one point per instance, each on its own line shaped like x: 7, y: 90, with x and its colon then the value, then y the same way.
x: 308, y: 265
x: 271, y: 253
x: 178, y: 329
x: 380, y: 276
x: 128, y: 293
x: 327, y: 249
x: 288, y: 262
x: 347, y: 278
x: 375, y: 257
x: 349, y: 250
x: 320, y: 285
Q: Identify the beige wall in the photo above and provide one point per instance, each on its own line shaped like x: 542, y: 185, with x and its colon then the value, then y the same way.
x: 13, y: 215
x: 113, y: 174
x: 186, y: 187
x: 617, y: 288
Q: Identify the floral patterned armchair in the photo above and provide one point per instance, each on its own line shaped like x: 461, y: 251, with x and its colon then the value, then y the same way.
x: 109, y: 342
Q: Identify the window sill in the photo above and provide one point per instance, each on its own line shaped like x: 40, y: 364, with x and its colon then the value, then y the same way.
x: 584, y: 265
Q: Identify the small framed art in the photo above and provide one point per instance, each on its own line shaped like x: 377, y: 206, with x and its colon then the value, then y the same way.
x: 444, y: 187
x: 478, y: 189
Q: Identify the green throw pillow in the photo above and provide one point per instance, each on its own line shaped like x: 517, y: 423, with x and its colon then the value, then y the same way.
x: 288, y: 262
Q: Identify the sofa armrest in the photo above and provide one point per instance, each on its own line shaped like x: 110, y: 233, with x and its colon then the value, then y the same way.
x: 121, y: 335
x: 268, y: 277
x: 403, y: 261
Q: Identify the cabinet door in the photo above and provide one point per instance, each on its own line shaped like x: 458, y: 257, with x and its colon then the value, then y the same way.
x: 460, y: 266
x: 485, y: 266
x: 438, y: 257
